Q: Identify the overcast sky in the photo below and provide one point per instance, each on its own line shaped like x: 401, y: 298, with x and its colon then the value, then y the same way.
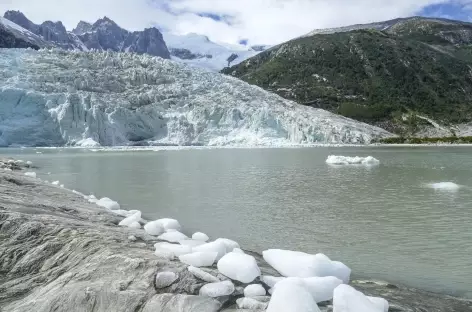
x: 230, y: 21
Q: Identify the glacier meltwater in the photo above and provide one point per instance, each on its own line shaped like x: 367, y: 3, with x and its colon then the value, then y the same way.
x: 70, y: 98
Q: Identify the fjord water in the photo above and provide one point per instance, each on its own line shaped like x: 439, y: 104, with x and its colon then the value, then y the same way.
x: 385, y: 221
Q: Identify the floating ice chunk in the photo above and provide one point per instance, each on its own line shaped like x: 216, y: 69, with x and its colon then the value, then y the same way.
x: 290, y: 295
x: 251, y: 304
x: 240, y: 267
x: 218, y: 247
x: 29, y: 163
x: 346, y: 160
x: 169, y: 224
x: 62, y: 185
x: 445, y: 186
x: 271, y: 280
x: 175, y: 249
x: 107, y: 203
x: 204, y: 276
x: 173, y: 237
x: 55, y: 183
x: 199, y: 236
x: 88, y: 143
x: 165, y: 279
x: 347, y: 299
x: 380, y: 303
x: 199, y: 259
x: 131, y: 219
x: 191, y: 242
x: 254, y: 290
x: 154, y: 228
x: 135, y: 225
x: 238, y: 250
x: 218, y: 289
x: 322, y: 288
x: 30, y: 174
x: 300, y: 264
x: 230, y: 244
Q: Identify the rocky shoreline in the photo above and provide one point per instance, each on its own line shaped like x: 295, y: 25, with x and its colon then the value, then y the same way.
x: 58, y: 252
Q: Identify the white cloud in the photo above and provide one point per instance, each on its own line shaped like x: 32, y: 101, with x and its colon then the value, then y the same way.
x: 260, y: 21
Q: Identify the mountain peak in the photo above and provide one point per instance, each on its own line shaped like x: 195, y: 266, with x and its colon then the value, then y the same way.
x: 82, y: 27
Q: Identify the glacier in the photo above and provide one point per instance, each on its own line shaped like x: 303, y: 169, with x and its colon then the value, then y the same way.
x: 72, y: 98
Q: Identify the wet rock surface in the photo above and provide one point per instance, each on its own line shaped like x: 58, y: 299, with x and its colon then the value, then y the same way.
x: 59, y: 252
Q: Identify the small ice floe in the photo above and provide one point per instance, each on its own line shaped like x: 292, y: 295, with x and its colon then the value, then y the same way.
x: 218, y: 289
x: 173, y: 236
x: 199, y: 236
x: 445, y: 186
x: 30, y: 174
x: 29, y: 163
x: 347, y: 299
x: 131, y: 220
x: 217, y: 246
x: 204, y: 276
x: 191, y: 242
x: 55, y: 183
x: 271, y: 280
x: 174, y: 249
x: 107, y: 203
x: 346, y: 160
x: 254, y: 290
x: 300, y: 264
x: 239, y: 267
x: 154, y: 228
x: 199, y: 259
x: 291, y: 295
x: 230, y: 244
x: 160, y: 226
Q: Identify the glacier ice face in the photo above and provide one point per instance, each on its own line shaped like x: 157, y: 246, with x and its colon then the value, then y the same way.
x: 56, y: 98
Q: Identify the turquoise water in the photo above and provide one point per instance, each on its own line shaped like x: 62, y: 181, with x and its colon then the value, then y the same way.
x: 385, y: 222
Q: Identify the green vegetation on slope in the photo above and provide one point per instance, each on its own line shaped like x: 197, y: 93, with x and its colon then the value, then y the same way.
x: 372, y: 76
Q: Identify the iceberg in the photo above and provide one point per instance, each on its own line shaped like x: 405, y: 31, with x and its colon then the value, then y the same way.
x: 131, y: 219
x: 300, y: 264
x: 218, y: 289
x: 445, y: 186
x: 239, y: 267
x: 290, y: 295
x: 254, y: 290
x: 347, y: 299
x: 346, y: 160
x: 173, y: 237
x: 175, y: 249
x: 218, y: 247
x: 199, y: 236
x: 72, y: 98
x: 154, y: 228
x: 107, y: 203
x: 199, y: 259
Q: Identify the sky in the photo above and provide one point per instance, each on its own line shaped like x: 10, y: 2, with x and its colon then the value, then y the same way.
x: 236, y: 21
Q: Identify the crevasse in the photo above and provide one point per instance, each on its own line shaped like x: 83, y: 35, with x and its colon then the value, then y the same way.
x: 55, y: 98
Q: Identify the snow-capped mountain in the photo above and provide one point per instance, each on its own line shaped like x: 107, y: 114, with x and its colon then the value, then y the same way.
x: 103, y: 35
x: 12, y: 35
x: 50, y: 98
x: 199, y: 51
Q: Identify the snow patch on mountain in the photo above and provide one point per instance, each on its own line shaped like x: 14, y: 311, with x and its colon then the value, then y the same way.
x: 23, y: 34
x: 58, y: 97
x: 198, y: 50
